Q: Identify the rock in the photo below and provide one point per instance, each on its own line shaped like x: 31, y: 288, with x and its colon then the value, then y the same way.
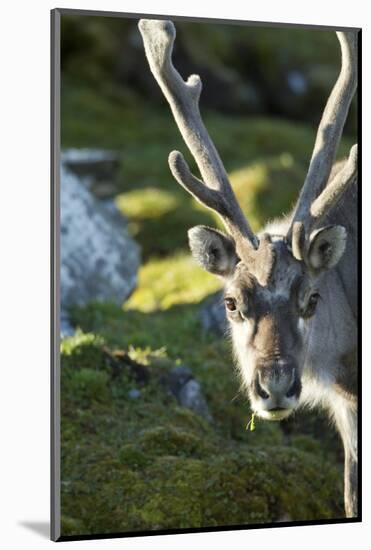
x: 188, y: 391
x: 134, y: 393
x: 99, y: 260
x: 190, y: 396
x: 95, y: 168
x: 179, y: 376
x: 213, y: 314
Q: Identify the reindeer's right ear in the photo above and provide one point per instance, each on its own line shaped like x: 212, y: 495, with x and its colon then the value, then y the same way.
x: 213, y: 250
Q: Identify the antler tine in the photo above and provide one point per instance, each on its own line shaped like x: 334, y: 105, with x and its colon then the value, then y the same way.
x: 215, y: 190
x: 312, y: 204
x: 331, y: 194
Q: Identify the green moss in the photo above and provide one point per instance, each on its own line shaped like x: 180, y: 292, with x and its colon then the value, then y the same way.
x: 268, y: 189
x: 163, y: 440
x: 147, y: 204
x: 149, y: 464
x: 166, y: 282
x: 71, y: 525
x: 86, y: 349
x: 146, y: 491
x: 159, y: 219
x: 132, y: 456
x: 86, y: 385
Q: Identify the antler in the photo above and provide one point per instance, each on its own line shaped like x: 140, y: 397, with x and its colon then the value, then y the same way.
x: 214, y: 191
x: 315, y: 199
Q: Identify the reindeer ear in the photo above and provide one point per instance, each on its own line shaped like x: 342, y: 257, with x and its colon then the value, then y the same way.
x: 326, y: 247
x: 213, y: 250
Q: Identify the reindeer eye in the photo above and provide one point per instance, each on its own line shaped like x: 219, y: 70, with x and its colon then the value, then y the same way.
x: 311, y: 306
x: 230, y: 304
x: 313, y: 299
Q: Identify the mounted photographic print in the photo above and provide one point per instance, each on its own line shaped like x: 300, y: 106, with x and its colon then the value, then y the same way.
x: 204, y: 289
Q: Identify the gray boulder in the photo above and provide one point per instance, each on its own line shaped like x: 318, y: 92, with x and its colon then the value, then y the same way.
x: 191, y: 397
x: 188, y: 391
x: 99, y: 260
x: 212, y: 314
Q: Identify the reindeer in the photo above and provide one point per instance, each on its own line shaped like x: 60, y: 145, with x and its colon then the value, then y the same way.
x: 291, y: 290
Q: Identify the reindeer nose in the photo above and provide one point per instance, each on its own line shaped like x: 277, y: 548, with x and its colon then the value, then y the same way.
x: 277, y: 381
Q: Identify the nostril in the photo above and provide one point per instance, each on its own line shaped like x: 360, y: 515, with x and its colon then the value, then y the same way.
x: 262, y: 393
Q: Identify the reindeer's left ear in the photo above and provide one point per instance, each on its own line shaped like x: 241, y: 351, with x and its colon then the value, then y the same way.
x: 326, y: 247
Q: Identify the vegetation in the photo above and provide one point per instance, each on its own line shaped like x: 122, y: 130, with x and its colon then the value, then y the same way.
x: 138, y: 461
x: 132, y: 458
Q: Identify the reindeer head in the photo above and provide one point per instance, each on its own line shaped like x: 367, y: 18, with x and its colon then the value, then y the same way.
x: 270, y: 279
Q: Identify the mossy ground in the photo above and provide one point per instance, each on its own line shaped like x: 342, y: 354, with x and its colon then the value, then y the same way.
x: 145, y: 463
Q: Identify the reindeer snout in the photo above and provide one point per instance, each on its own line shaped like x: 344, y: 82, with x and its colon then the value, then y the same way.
x: 276, y: 383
